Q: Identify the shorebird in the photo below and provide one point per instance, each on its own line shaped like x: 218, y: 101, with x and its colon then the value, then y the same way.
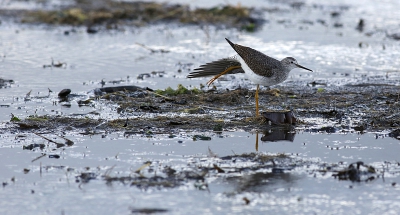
x: 260, y: 68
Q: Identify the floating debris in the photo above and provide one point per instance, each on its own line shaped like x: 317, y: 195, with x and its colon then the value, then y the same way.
x: 219, y: 170
x: 146, y: 164
x: 360, y: 25
x: 39, y: 157
x: 85, y: 177
x: 56, y: 65
x: 59, y: 145
x: 54, y: 156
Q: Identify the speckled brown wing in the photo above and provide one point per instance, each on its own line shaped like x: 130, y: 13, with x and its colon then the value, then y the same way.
x: 216, y: 67
x: 258, y: 62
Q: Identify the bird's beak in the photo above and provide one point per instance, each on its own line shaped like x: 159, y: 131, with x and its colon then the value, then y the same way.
x: 300, y: 66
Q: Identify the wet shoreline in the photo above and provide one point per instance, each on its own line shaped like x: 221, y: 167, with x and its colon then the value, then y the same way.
x: 342, y: 108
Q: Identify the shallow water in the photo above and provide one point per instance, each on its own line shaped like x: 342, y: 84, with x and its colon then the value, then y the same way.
x: 333, y: 53
x: 297, y: 190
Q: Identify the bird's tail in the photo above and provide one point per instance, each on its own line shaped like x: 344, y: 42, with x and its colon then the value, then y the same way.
x: 217, y: 67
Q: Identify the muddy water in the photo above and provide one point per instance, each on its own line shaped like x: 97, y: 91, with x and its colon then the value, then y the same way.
x: 52, y: 185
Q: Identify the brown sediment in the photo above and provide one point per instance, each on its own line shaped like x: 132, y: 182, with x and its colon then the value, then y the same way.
x: 114, y: 13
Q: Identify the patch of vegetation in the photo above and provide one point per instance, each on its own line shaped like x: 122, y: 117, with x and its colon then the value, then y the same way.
x: 14, y: 119
x: 37, y: 118
x: 179, y: 91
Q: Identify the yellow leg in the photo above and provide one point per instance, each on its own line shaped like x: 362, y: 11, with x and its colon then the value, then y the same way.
x: 222, y: 73
x: 256, y: 97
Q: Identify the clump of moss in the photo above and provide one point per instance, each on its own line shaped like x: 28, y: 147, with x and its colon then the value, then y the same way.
x: 14, y: 119
x: 37, y: 118
x: 179, y: 91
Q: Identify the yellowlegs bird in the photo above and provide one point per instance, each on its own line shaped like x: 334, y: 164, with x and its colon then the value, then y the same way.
x: 260, y: 68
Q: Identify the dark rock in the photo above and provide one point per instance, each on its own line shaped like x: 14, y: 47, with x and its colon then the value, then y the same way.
x: 335, y: 14
x: 64, y: 93
x: 91, y: 30
x: 280, y: 117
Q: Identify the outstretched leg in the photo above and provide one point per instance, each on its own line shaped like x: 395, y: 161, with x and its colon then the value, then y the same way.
x: 222, y: 73
x: 256, y: 97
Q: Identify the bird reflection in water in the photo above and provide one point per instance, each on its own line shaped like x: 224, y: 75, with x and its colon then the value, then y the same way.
x: 277, y: 134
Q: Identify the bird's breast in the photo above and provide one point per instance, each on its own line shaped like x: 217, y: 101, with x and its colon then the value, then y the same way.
x: 259, y: 79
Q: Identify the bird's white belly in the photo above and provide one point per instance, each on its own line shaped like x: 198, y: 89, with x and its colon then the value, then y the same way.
x: 257, y: 79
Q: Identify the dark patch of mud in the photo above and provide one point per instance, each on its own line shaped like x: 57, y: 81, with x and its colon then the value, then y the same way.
x: 362, y: 109
x: 113, y: 14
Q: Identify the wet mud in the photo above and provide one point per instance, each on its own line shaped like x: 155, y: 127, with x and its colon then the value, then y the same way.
x: 109, y: 14
x: 357, y: 108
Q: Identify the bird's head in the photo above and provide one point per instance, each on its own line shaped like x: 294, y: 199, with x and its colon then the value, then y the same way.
x: 291, y: 63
